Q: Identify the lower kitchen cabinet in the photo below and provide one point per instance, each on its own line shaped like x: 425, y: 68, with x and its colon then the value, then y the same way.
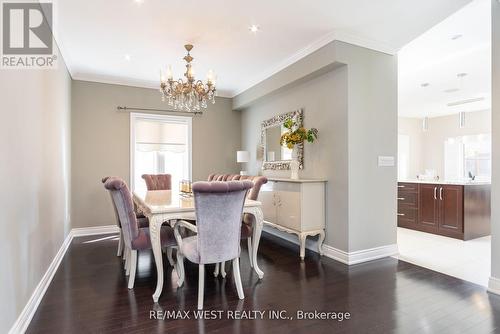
x: 457, y: 211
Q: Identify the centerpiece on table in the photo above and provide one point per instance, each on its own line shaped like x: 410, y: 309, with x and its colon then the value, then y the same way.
x: 294, y: 136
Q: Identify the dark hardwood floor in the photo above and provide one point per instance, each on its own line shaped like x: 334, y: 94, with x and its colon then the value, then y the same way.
x: 89, y: 295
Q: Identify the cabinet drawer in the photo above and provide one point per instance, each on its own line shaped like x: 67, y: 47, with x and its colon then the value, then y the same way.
x: 407, y: 216
x: 407, y: 187
x: 407, y: 199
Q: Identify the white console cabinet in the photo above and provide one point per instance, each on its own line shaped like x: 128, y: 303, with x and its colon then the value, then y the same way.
x: 295, y: 206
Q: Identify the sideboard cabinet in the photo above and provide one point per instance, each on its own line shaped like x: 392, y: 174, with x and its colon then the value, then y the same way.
x: 295, y: 206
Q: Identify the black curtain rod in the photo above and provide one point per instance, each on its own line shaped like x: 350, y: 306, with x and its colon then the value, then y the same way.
x: 125, y: 108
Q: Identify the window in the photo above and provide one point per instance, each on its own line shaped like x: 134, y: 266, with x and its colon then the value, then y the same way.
x: 160, y: 144
x: 468, y: 155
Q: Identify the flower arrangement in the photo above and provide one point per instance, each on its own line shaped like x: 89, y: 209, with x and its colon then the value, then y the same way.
x: 297, y: 134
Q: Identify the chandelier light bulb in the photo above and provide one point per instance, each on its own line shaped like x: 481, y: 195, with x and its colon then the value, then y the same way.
x: 170, y: 75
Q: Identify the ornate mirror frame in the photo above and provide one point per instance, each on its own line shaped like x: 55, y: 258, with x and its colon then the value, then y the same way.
x: 275, y: 121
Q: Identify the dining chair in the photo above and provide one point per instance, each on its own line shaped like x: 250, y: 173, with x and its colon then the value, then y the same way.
x: 135, y: 238
x: 158, y: 181
x: 248, y: 219
x: 141, y: 221
x: 219, y: 209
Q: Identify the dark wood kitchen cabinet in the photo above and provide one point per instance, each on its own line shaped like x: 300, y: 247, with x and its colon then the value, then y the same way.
x: 457, y: 211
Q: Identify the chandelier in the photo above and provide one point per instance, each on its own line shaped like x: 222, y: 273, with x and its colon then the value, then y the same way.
x: 187, y: 94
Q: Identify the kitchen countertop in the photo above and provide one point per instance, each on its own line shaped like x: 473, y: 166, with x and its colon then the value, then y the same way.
x: 457, y: 183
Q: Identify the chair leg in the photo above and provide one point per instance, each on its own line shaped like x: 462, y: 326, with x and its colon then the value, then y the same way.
x: 180, y: 268
x: 119, y: 252
x: 133, y: 266
x: 127, y: 261
x: 237, y: 278
x: 201, y: 285
x: 250, y: 251
x: 223, y: 269
x: 169, y: 256
x: 216, y: 271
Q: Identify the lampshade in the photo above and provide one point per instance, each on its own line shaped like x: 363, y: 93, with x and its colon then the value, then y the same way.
x: 242, y: 156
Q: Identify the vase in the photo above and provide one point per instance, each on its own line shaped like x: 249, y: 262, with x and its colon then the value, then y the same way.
x: 294, y: 164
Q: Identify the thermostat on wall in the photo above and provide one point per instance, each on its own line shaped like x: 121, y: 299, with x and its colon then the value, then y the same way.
x: 386, y: 161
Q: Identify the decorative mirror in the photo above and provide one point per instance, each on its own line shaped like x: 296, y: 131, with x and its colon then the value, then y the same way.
x: 277, y: 157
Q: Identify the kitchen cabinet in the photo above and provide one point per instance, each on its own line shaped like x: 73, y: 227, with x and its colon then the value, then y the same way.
x: 459, y: 211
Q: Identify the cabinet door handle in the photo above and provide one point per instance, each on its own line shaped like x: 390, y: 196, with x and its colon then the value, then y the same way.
x: 441, y: 193
x: 435, y: 192
x: 401, y: 186
x: 401, y: 198
x: 401, y: 214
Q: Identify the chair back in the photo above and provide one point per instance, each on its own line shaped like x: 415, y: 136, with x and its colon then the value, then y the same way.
x: 122, y: 199
x: 253, y: 193
x: 158, y: 181
x: 219, y: 209
x: 103, y: 180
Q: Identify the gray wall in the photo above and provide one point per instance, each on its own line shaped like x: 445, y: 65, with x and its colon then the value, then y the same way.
x: 101, y: 135
x: 34, y: 174
x: 350, y: 94
x: 324, y: 100
x: 495, y: 185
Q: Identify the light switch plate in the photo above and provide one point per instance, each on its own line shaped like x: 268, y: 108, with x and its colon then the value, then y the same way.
x: 386, y: 161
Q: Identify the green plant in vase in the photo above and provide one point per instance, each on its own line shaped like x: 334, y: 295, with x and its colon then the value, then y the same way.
x: 295, y: 135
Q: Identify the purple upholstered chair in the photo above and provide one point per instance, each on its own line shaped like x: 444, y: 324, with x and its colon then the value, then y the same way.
x: 248, y: 219
x: 219, y: 209
x: 158, y: 181
x: 141, y: 221
x: 134, y: 237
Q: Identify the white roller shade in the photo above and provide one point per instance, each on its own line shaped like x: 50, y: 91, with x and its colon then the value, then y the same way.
x: 157, y: 136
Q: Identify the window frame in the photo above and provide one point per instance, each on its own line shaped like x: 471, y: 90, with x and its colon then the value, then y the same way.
x: 163, y: 118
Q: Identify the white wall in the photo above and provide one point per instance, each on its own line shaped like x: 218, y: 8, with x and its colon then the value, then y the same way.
x: 412, y: 127
x: 34, y: 174
x: 427, y: 148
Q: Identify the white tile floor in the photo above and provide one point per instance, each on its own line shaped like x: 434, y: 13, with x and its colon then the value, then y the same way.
x: 468, y: 260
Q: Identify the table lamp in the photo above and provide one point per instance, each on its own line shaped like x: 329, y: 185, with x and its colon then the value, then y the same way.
x: 242, y: 157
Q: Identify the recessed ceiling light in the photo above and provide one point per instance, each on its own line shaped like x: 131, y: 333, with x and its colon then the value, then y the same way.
x: 139, y: 2
x: 451, y: 90
x: 128, y: 57
x: 425, y: 84
x: 457, y: 36
x: 254, y: 28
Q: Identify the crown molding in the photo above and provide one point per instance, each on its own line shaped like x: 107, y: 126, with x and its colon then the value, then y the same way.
x: 341, y: 36
x: 130, y: 82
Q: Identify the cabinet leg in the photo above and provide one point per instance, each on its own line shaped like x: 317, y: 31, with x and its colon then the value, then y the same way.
x: 302, y: 239
x: 320, y: 242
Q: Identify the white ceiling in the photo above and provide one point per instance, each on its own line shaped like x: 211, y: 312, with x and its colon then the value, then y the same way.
x: 435, y: 58
x: 95, y: 36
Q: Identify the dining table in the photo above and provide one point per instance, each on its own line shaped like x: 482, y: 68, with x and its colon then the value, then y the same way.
x: 169, y: 206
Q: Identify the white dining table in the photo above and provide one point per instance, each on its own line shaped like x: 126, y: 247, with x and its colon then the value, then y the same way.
x: 167, y: 206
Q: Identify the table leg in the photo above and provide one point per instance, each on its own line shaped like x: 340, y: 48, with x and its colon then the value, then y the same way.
x: 154, y: 232
x: 257, y: 231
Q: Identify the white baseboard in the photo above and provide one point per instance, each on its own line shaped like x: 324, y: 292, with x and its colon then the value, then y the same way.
x: 29, y: 310
x: 494, y: 285
x: 360, y: 256
x: 83, y: 231
x: 348, y: 258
